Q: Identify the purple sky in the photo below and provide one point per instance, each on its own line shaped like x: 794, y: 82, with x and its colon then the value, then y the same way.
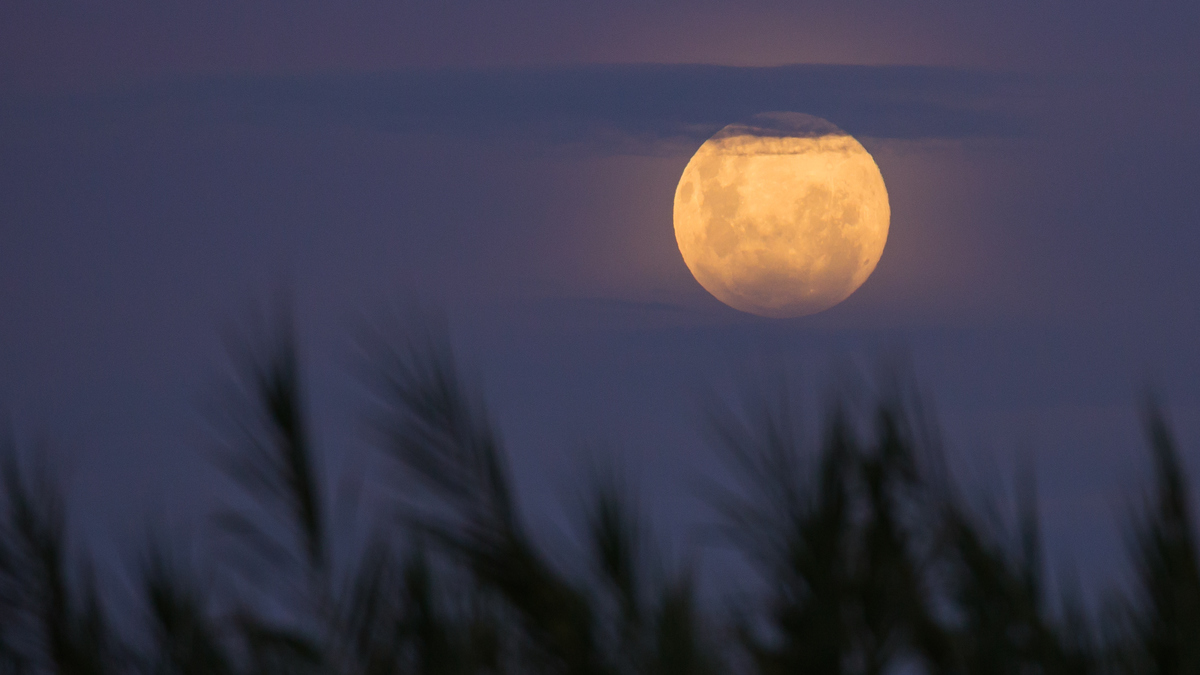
x: 164, y: 168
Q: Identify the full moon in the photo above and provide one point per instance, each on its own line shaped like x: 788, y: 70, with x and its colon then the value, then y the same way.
x: 783, y: 216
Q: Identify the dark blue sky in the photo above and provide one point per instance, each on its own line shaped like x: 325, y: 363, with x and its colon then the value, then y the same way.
x: 164, y: 168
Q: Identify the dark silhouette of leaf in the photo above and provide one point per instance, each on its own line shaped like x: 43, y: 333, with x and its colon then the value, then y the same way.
x: 615, y: 539
x: 680, y: 645
x: 871, y: 562
x: 1167, y: 564
x: 276, y: 463
x: 443, y: 438
x: 48, y: 622
x: 281, y: 651
x: 837, y: 546
x: 186, y: 640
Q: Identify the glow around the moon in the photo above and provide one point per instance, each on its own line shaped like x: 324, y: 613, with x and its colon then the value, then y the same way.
x: 784, y: 216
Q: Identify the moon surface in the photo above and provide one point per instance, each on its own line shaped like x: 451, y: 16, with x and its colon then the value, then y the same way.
x: 783, y: 216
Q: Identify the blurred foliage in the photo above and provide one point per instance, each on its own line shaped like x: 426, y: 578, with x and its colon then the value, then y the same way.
x: 869, y: 559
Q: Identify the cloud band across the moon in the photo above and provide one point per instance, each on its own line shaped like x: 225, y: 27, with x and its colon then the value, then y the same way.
x: 784, y: 216
x: 617, y: 108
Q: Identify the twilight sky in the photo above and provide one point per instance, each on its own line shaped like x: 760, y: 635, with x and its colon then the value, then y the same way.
x: 166, y: 167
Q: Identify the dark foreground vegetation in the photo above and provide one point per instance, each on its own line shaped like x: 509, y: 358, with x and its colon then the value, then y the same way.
x: 869, y: 559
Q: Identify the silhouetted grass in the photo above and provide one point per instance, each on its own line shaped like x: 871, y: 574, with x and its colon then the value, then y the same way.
x: 52, y: 615
x: 830, y: 532
x: 185, y: 639
x: 1167, y: 609
x: 869, y: 557
x: 442, y: 437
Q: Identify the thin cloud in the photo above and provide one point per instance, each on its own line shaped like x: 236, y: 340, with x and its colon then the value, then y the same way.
x: 622, y: 108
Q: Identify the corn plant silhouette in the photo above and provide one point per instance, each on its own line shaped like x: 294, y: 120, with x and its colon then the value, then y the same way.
x: 1166, y: 616
x: 439, y: 434
x: 871, y: 560
x: 846, y: 579
x: 997, y: 583
x: 185, y: 640
x: 52, y: 619
x: 388, y: 615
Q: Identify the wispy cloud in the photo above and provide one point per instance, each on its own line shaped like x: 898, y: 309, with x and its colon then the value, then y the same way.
x: 601, y: 107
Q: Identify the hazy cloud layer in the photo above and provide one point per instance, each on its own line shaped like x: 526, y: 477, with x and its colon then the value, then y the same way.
x: 615, y: 108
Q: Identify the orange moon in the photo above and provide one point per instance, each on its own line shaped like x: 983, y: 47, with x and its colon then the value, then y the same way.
x: 783, y: 216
